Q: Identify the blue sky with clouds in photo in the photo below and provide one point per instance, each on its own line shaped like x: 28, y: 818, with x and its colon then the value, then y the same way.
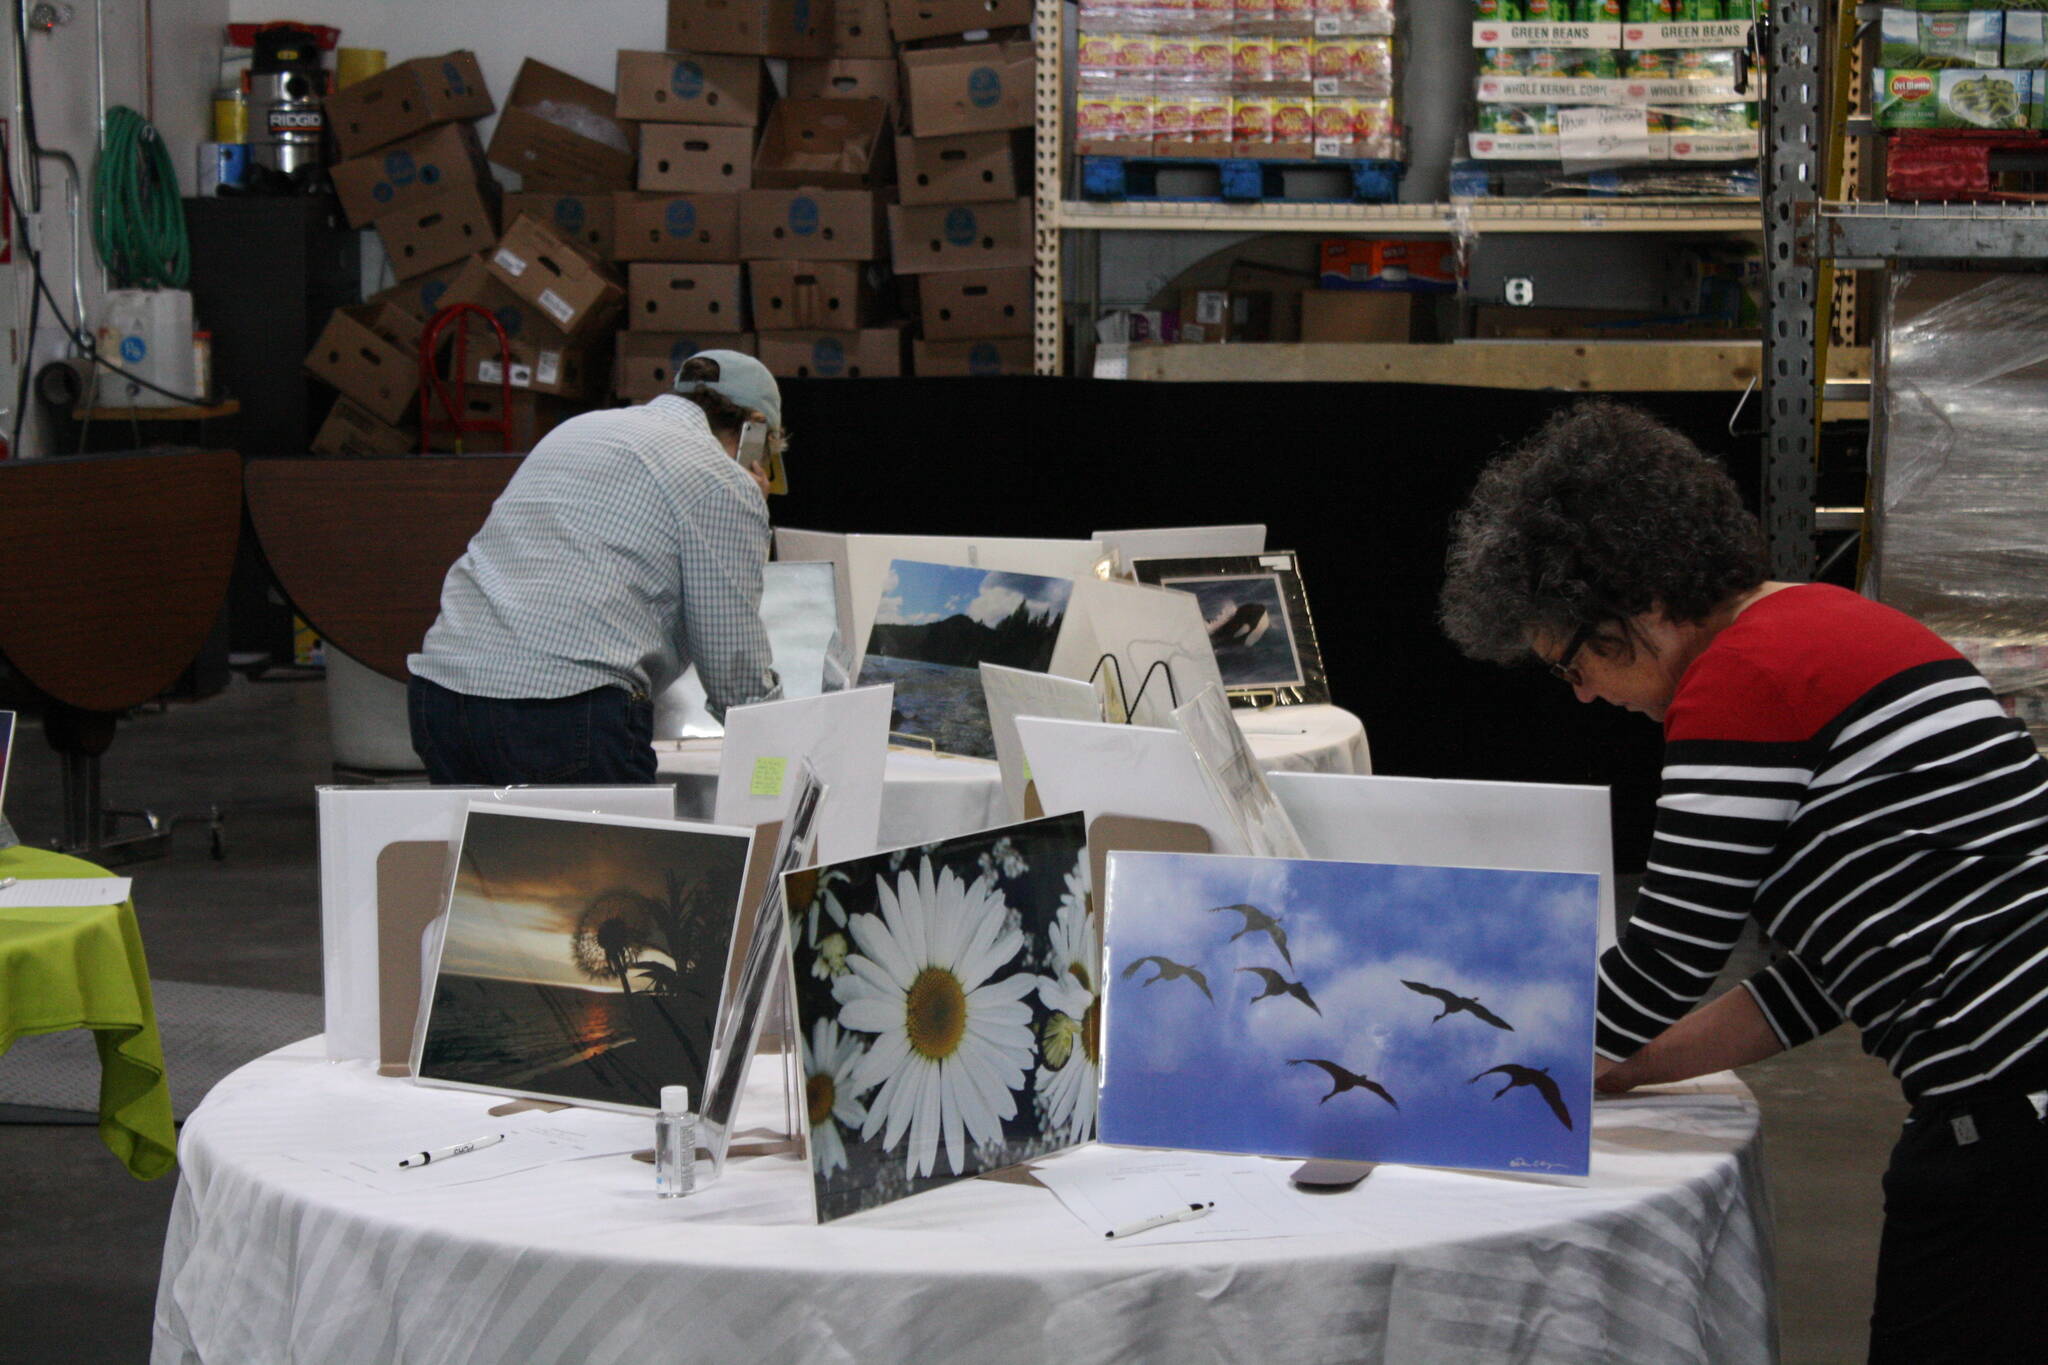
x: 1185, y: 1072
x: 916, y: 593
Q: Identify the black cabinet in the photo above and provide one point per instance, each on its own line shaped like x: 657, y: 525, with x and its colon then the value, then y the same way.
x: 265, y: 275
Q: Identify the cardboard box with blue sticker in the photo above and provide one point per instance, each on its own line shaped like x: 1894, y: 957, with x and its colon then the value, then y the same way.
x: 676, y: 227
x: 691, y: 87
x: 811, y: 225
x: 982, y: 358
x: 928, y: 237
x: 582, y: 218
x: 410, y: 172
x: 973, y: 88
x: 870, y: 353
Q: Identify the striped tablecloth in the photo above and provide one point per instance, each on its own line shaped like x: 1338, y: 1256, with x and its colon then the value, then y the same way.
x: 1662, y: 1255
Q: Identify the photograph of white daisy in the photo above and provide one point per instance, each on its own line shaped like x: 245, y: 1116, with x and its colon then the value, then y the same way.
x: 931, y: 1027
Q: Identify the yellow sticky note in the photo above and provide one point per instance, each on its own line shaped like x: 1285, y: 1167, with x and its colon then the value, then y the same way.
x: 768, y: 773
x: 1027, y: 770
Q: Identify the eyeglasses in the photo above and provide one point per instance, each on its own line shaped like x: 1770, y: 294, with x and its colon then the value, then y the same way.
x: 1562, y: 667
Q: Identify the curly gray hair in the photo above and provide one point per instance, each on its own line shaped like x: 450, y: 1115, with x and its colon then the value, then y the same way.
x: 1599, y: 516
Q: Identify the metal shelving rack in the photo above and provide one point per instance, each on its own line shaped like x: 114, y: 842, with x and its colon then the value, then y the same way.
x: 1802, y: 232
x: 1055, y: 216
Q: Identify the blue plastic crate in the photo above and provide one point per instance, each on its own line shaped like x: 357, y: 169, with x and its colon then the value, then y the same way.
x: 1241, y: 180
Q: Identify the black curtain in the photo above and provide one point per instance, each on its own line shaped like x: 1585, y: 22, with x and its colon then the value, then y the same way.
x: 1361, y: 480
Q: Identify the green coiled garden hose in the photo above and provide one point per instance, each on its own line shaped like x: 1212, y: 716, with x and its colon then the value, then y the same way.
x: 138, y: 221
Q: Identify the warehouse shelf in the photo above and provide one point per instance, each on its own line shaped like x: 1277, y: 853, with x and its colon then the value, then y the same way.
x: 1896, y: 231
x: 1487, y: 215
x: 1566, y: 365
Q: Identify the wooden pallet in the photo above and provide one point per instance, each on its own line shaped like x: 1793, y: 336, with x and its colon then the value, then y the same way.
x: 1240, y: 180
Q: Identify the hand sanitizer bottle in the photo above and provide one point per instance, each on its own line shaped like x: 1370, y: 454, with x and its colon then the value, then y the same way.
x: 675, y: 1144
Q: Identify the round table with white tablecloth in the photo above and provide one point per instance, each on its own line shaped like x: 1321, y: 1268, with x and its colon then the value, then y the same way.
x: 930, y: 796
x: 1662, y: 1254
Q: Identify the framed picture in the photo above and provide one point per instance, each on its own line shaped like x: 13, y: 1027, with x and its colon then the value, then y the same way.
x: 1439, y: 1016
x: 946, y: 1000
x: 1257, y: 617
x: 584, y: 956
x: 935, y: 624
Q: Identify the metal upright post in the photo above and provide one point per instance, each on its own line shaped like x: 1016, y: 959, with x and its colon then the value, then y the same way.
x: 1048, y: 27
x: 1792, y: 170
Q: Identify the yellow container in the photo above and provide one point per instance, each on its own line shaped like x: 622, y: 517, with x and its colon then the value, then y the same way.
x: 352, y: 64
x: 230, y: 116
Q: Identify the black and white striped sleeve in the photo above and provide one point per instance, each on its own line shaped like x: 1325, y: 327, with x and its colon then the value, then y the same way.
x: 1721, y: 809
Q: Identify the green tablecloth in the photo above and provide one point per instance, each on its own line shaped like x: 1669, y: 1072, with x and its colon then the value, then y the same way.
x: 66, y: 968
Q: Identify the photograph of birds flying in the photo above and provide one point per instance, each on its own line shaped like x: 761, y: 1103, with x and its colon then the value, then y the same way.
x: 1539, y: 1077
x: 1258, y: 921
x: 1277, y: 984
x: 1453, y: 1003
x: 1344, y: 1080
x: 1169, y: 970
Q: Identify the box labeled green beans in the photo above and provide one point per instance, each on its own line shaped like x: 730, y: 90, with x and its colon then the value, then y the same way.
x: 2000, y: 98
x: 1933, y: 42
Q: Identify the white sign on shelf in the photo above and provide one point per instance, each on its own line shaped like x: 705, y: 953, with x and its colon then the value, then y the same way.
x: 1606, y: 90
x: 1720, y: 33
x: 1603, y: 132
x: 1713, y: 146
x: 1493, y: 33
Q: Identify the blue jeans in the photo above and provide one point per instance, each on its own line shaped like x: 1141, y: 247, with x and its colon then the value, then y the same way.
x: 595, y: 738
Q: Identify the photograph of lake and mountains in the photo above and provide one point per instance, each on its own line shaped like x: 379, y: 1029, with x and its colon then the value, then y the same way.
x: 584, y: 956
x: 937, y: 623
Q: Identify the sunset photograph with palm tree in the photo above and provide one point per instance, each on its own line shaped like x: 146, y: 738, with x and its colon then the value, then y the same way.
x: 584, y: 956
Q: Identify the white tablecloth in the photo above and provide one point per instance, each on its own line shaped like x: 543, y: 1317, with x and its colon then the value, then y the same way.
x: 1663, y: 1255
x: 927, y: 797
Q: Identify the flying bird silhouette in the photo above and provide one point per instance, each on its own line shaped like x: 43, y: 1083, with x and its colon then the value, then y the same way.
x: 1344, y: 1080
x: 1277, y: 984
x: 1538, y: 1077
x: 1452, y: 1003
x: 1258, y: 921
x: 1169, y: 970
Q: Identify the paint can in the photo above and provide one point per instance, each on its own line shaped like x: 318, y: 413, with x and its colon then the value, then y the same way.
x: 230, y: 115
x: 352, y: 64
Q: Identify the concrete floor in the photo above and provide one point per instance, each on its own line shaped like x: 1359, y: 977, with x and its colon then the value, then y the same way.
x: 80, y: 1239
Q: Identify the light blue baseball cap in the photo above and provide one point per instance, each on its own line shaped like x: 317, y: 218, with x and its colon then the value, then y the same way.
x: 741, y: 378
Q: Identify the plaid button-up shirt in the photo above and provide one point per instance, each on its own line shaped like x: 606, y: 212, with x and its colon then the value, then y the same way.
x: 628, y: 546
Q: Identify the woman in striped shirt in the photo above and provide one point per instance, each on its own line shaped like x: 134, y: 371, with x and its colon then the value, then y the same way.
x: 1835, y: 771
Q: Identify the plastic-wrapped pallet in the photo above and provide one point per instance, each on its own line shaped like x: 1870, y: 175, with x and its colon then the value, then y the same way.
x: 1596, y: 85
x: 1265, y: 79
x: 1963, y: 541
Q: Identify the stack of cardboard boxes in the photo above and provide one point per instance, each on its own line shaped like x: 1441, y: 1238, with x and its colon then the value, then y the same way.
x: 963, y: 226
x: 710, y: 211
x: 414, y: 171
